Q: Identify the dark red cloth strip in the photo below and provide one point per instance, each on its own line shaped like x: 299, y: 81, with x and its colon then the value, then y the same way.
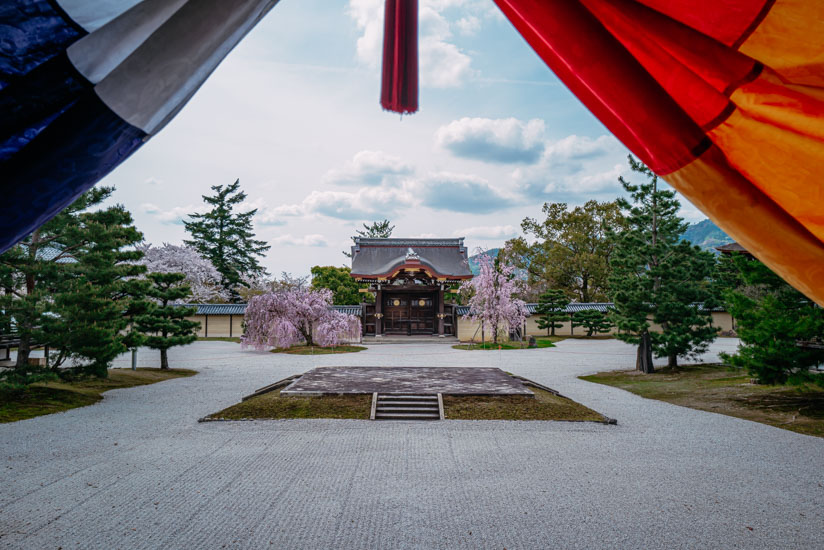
x: 399, y: 83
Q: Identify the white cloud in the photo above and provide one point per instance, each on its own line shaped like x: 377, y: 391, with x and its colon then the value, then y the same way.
x: 503, y: 140
x: 580, y: 147
x: 174, y: 215
x: 442, y: 64
x: 305, y: 241
x: 574, y: 169
x: 363, y: 204
x: 459, y: 193
x: 469, y: 25
x: 368, y: 168
x: 151, y: 180
x: 488, y: 232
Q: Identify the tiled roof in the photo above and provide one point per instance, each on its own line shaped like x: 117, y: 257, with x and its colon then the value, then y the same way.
x: 219, y: 309
x: 240, y: 309
x: 381, y: 257
x: 350, y: 310
x: 575, y: 306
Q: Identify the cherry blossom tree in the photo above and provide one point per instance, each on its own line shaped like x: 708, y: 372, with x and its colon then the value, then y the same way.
x: 284, y: 318
x: 201, y: 275
x: 491, y: 296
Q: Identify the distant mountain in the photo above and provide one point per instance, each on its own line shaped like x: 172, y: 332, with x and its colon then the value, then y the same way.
x: 706, y: 235
x: 473, y: 260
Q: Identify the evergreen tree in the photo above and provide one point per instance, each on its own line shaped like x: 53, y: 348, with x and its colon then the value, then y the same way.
x: 226, y: 237
x: 375, y: 230
x: 593, y: 320
x: 551, y: 309
x: 657, y: 278
x: 90, y: 324
x: 66, y: 285
x: 772, y: 319
x: 165, y: 324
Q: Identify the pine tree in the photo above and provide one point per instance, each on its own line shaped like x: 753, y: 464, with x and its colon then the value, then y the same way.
x: 655, y: 277
x: 226, y: 237
x: 375, y: 230
x: 165, y: 324
x: 66, y: 285
x: 552, y: 308
x: 772, y: 319
x: 593, y: 320
x: 90, y: 325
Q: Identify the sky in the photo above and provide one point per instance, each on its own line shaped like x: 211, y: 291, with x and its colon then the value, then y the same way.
x: 293, y: 113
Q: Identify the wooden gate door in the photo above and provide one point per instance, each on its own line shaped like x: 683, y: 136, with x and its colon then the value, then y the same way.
x: 396, y: 314
x: 422, y: 314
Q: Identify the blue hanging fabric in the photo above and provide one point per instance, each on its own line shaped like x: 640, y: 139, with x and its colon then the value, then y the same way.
x: 84, y: 83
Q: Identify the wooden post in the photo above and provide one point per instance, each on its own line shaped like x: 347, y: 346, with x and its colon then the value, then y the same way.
x: 440, y: 312
x: 230, y: 325
x: 206, y: 332
x: 378, y: 311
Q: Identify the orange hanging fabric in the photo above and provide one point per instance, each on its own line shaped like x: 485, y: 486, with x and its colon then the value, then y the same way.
x: 724, y: 100
x: 399, y: 86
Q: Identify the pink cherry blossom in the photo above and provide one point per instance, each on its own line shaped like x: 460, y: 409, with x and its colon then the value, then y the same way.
x: 492, y: 300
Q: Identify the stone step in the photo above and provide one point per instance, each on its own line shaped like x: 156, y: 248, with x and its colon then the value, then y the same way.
x: 407, y: 416
x: 408, y: 404
x: 389, y: 396
x: 407, y: 409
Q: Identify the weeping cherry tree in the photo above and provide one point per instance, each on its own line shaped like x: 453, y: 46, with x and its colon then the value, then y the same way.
x: 492, y: 302
x: 282, y: 319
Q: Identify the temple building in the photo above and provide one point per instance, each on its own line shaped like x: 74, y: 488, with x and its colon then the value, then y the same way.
x: 411, y: 280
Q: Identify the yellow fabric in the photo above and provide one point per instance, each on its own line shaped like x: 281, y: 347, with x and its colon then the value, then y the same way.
x: 790, y: 40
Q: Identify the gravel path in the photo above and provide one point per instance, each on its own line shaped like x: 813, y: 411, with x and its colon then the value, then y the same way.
x: 138, y: 471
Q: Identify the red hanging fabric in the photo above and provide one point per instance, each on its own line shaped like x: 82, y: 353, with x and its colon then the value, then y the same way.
x: 399, y: 86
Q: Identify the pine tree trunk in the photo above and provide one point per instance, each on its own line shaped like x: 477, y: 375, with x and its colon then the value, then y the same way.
x: 164, y: 359
x: 672, y: 361
x: 643, y: 361
x: 23, y: 352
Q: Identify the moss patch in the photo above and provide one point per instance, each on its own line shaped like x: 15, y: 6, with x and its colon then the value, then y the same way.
x: 317, y: 350
x: 544, y: 406
x: 51, y: 397
x: 542, y: 342
x: 271, y: 406
x: 719, y: 389
x: 234, y: 339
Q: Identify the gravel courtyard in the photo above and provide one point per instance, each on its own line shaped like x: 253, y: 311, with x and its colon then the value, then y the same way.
x: 138, y: 471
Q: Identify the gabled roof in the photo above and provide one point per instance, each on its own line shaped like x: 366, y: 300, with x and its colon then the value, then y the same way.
x: 385, y: 258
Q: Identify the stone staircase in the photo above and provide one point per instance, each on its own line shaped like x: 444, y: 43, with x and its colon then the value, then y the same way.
x: 391, y: 406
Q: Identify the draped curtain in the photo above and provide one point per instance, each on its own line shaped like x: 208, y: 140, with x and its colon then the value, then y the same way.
x: 723, y: 98
x: 84, y: 83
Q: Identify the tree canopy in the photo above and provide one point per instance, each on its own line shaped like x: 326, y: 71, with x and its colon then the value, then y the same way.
x: 345, y: 290
x: 571, y: 250
x: 226, y: 237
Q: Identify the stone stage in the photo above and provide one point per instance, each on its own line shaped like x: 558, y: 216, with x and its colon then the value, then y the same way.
x: 407, y: 380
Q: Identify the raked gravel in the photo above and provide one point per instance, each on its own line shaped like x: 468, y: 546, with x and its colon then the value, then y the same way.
x: 138, y: 471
